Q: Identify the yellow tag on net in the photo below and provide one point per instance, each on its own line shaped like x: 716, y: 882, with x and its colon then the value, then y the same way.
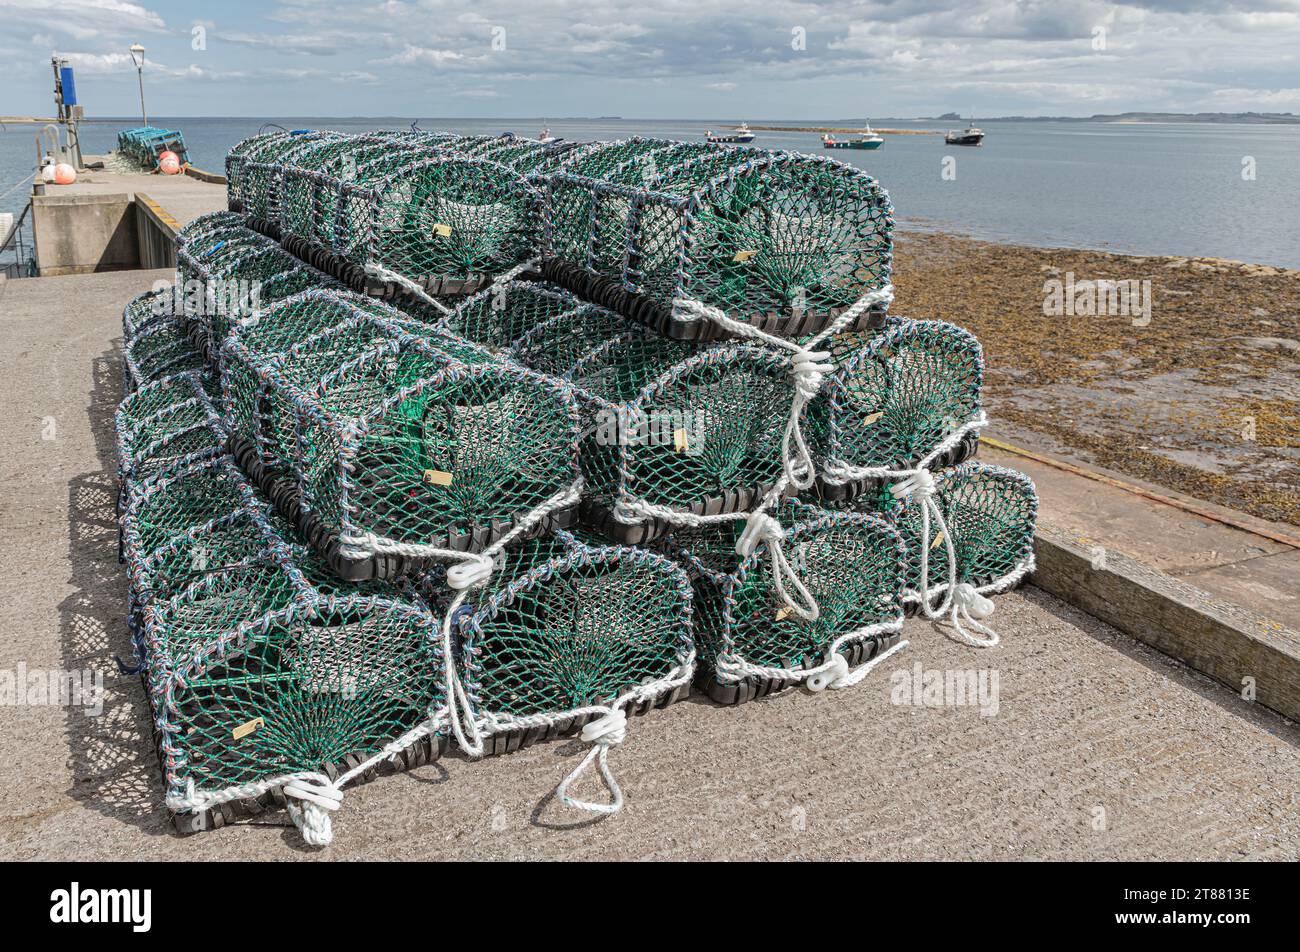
x: 681, y: 441
x: 743, y: 256
x: 443, y: 231
x: 868, y: 420
x: 246, y: 728
x: 783, y: 613
x: 938, y: 537
x: 436, y: 477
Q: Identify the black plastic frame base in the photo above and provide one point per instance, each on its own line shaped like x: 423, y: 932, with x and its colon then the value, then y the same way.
x: 284, y: 494
x: 599, y: 515
x: 751, y: 688
x: 511, y: 741
x: 199, y: 339
x: 823, y: 491
x: 611, y: 294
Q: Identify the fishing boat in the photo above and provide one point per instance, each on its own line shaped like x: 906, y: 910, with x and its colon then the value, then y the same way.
x: 968, y: 136
x: 866, y: 139
x: 546, y: 138
x: 738, y: 135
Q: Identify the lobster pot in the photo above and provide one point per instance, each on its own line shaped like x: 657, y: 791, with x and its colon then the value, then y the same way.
x: 446, y: 224
x: 388, y: 441
x: 145, y: 144
x: 155, y: 344
x: 527, y: 156
x: 254, y: 673
x: 415, y: 207
x: 308, y: 206
x: 672, y: 428
x: 229, y: 280
x: 750, y: 642
x: 566, y: 627
x: 540, y: 325
x: 166, y: 425
x: 906, y: 396
x: 990, y: 512
x: 780, y: 240
x: 203, y: 232
x: 255, y: 193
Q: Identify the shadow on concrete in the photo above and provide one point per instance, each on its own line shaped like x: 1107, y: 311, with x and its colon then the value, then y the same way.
x: 114, y: 767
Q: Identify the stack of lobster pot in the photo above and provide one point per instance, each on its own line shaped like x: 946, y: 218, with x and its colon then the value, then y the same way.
x: 469, y: 442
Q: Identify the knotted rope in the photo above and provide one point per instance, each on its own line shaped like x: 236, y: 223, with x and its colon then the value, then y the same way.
x: 963, y: 605
x: 602, y: 733
x: 319, y: 798
x: 809, y: 368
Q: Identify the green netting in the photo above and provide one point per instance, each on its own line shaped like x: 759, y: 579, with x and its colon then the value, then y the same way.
x: 990, y: 512
x: 851, y: 563
x: 669, y: 424
x: 156, y: 345
x: 256, y: 676
x: 896, y: 399
x: 761, y: 235
x: 500, y: 316
x: 201, y: 233
x: 566, y: 626
x: 167, y: 424
x: 261, y: 168
x: 395, y: 436
x: 227, y: 280
x: 422, y: 209
x: 544, y: 327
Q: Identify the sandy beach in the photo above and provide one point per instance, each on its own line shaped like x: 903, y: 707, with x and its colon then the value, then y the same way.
x: 1201, y: 393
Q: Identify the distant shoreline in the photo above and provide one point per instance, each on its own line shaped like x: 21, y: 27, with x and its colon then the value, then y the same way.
x: 884, y: 132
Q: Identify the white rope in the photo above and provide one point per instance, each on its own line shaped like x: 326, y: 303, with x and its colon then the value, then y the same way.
x: 838, y: 676
x: 729, y: 667
x: 809, y: 368
x: 964, y: 606
x: 377, y: 270
x: 970, y: 608
x: 762, y: 527
x: 602, y: 733
x: 319, y: 797
x: 317, y: 791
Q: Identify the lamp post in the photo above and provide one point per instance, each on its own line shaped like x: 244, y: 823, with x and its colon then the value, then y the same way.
x: 139, y: 70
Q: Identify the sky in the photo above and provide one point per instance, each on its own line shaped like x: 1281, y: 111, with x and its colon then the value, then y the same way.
x: 690, y: 59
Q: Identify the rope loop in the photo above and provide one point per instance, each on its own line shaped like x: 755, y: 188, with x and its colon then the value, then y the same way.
x: 603, y: 733
x: 969, y: 609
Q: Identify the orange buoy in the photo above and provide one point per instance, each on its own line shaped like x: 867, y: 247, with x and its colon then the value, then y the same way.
x: 64, y: 174
x: 169, y: 163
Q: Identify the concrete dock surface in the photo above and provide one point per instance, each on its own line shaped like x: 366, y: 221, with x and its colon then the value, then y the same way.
x: 1097, y: 747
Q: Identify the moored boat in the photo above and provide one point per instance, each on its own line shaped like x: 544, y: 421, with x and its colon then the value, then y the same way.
x: 738, y: 135
x: 866, y: 139
x: 968, y: 136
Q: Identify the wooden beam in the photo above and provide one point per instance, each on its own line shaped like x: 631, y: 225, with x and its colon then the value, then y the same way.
x: 1237, y: 647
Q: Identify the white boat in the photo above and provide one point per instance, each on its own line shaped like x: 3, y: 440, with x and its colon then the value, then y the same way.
x: 546, y: 138
x: 738, y: 135
x: 867, y: 139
